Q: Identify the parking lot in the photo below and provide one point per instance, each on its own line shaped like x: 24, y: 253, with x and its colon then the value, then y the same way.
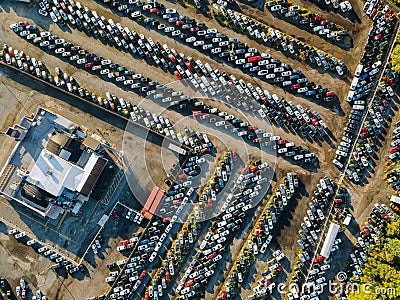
x: 73, y: 235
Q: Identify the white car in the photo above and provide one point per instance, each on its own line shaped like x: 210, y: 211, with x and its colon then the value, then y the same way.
x: 20, y: 235
x: 60, y: 50
x: 198, y: 43
x: 31, y: 36
x: 191, y: 39
x: 31, y: 242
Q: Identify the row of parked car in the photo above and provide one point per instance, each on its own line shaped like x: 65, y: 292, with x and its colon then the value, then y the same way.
x: 265, y: 285
x: 90, y: 61
x: 366, y: 73
x: 208, y: 40
x: 21, y: 290
x: 371, y: 128
x: 239, y: 200
x: 338, y: 5
x: 259, y: 239
x: 392, y: 175
x: 289, y: 45
x: 266, y: 139
x: 305, y: 19
x: 373, y: 228
x: 189, y: 232
x: 310, y: 233
x: 59, y: 259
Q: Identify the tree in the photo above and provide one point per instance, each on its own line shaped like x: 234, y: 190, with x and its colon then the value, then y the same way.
x: 395, y: 56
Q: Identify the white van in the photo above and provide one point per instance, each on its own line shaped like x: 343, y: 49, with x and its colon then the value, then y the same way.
x: 350, y: 96
x: 354, y: 83
x: 358, y: 70
x: 358, y: 107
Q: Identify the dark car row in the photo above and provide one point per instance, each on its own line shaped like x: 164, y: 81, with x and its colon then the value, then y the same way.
x: 371, y: 128
x: 310, y: 233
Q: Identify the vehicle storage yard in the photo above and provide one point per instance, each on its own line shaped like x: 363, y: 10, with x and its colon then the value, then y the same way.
x: 246, y: 204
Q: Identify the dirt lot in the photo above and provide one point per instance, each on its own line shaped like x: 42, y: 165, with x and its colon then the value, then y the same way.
x: 25, y: 261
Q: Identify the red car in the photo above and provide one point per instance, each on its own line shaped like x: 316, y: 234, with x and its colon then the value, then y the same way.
x: 246, y: 170
x: 209, y: 202
x: 142, y: 274
x: 23, y: 294
x: 204, y: 116
x: 124, y: 243
x: 189, y: 66
x: 254, y: 169
x: 189, y: 283
x: 386, y: 217
x: 330, y: 94
x: 281, y: 142
x: 178, y: 75
x: 318, y: 259
x: 146, y: 296
x: 373, y: 13
x: 197, y: 113
x: 234, y: 156
x: 154, y: 10
x: 205, y: 150
x: 251, y: 127
x: 180, y: 23
x: 295, y: 86
x: 377, y: 37
x: 365, y: 230
x: 223, y: 295
x: 182, y: 176
x: 212, y: 255
x: 193, y: 29
x: 171, y: 58
x: 395, y: 149
x: 314, y: 121
x: 89, y: 65
x: 254, y: 59
x: 167, y: 277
